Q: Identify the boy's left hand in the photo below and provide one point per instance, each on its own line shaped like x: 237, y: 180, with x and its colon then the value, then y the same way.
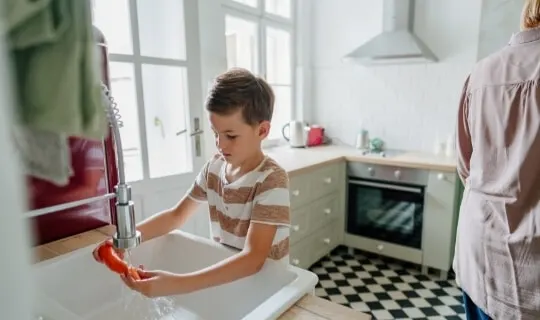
x: 154, y: 283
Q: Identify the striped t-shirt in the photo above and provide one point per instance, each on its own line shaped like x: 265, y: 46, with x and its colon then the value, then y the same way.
x: 259, y: 196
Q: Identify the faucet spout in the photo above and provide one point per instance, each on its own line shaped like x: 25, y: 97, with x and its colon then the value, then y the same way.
x: 127, y: 236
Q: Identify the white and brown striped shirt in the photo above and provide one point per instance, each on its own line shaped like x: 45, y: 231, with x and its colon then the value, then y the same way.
x: 259, y: 196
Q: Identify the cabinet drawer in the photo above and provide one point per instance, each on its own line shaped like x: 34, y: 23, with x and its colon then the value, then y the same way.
x: 300, y: 224
x: 300, y: 254
x: 325, y: 180
x: 324, y: 241
x: 324, y: 211
x: 299, y: 190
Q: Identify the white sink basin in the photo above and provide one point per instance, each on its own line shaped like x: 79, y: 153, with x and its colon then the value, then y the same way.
x: 75, y: 287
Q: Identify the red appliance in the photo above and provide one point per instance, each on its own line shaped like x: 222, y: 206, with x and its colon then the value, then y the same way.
x: 68, y: 222
x: 315, y: 136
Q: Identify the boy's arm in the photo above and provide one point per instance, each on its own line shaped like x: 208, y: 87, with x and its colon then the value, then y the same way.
x: 167, y: 220
x: 243, y: 264
x: 270, y: 212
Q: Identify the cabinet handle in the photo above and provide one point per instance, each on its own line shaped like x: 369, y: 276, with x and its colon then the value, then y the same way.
x: 327, y: 211
x: 296, y: 262
x: 440, y: 176
x: 296, y: 228
x: 296, y: 193
x: 328, y: 180
x: 326, y: 240
x: 380, y: 247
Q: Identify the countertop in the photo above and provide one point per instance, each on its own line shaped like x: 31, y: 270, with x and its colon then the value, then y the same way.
x: 298, y: 160
x: 307, y: 308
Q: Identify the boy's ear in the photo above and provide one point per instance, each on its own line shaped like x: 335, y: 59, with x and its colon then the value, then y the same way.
x: 264, y: 129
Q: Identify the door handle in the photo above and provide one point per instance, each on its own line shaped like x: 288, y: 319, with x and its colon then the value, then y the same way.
x: 197, y: 133
x: 194, y: 133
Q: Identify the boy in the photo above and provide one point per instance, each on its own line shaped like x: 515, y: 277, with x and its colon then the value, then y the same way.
x: 246, y: 191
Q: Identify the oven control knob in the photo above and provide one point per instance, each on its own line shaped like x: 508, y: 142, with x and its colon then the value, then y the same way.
x: 371, y: 171
x: 380, y: 247
x: 397, y: 174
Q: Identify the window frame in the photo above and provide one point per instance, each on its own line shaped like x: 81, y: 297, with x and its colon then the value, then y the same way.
x: 263, y: 20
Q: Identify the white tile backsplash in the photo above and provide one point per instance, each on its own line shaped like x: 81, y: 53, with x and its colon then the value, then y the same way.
x: 407, y: 106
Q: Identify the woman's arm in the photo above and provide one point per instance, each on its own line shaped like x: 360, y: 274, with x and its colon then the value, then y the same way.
x: 464, y: 143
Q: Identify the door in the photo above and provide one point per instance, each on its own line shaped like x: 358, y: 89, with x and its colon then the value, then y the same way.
x: 155, y: 81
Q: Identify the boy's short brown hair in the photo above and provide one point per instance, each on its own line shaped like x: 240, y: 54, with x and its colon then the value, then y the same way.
x: 239, y: 89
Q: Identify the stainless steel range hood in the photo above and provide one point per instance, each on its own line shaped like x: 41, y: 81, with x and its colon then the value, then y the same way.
x: 397, y: 44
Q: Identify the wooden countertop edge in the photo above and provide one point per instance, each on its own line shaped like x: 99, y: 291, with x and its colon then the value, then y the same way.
x: 389, y: 162
x: 309, y: 307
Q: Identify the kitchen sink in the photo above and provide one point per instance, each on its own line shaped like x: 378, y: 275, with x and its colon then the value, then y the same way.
x: 75, y: 287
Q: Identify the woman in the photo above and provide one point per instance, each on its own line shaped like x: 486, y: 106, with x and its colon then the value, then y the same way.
x: 497, y: 259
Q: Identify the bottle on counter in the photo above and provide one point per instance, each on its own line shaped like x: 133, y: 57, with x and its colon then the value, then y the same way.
x: 362, y: 140
x: 439, y: 147
x: 450, y: 146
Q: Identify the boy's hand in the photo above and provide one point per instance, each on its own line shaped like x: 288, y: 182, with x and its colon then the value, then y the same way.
x: 95, y: 253
x: 155, y: 283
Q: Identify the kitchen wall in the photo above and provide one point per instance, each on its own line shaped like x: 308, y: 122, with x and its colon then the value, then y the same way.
x: 408, y: 106
x: 500, y: 18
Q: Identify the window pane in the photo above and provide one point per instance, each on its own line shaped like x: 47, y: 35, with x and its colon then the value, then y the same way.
x: 251, y: 3
x: 241, y: 37
x: 282, y: 110
x: 278, y: 7
x: 278, y: 56
x: 161, y: 28
x: 112, y: 18
x: 123, y: 92
x: 165, y: 103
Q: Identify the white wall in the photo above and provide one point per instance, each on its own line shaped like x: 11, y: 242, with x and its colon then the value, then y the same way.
x: 15, y: 238
x: 500, y: 18
x: 406, y: 106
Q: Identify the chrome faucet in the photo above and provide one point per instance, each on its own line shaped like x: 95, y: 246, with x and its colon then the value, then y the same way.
x: 127, y: 236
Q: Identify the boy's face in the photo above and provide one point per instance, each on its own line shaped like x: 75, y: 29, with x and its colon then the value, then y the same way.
x: 235, y: 139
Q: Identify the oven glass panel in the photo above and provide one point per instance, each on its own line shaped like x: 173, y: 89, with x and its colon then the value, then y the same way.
x: 390, y: 213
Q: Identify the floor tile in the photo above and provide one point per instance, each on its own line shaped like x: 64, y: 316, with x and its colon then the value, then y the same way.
x: 386, y: 288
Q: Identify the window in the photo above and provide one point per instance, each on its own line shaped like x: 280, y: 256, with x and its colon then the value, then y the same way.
x: 259, y: 37
x: 150, y: 80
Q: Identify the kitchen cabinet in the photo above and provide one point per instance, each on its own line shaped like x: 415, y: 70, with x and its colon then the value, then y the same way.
x: 317, y: 213
x: 318, y: 217
x: 440, y: 219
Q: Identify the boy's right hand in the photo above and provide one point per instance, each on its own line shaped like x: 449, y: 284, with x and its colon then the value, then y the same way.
x: 95, y: 253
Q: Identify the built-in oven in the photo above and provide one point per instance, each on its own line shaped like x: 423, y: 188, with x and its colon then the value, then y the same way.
x: 386, y: 208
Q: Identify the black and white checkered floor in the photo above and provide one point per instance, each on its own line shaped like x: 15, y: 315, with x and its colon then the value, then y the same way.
x: 386, y: 288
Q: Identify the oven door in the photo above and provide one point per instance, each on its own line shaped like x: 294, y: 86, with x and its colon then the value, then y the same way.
x: 385, y: 211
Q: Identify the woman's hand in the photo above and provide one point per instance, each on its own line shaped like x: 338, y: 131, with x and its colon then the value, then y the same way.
x: 155, y: 283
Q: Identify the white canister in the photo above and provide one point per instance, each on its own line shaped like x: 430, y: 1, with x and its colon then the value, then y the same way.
x: 450, y: 146
x: 439, y: 148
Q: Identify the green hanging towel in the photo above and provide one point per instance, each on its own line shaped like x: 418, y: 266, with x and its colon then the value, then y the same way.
x: 56, y: 68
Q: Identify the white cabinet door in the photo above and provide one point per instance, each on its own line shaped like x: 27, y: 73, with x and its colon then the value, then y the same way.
x: 439, y: 218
